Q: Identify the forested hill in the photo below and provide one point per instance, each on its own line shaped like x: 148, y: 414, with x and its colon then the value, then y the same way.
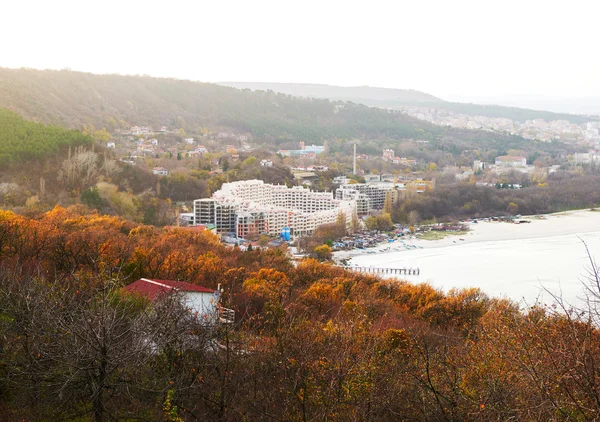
x: 360, y: 94
x: 22, y: 140
x: 395, y: 98
x: 73, y: 99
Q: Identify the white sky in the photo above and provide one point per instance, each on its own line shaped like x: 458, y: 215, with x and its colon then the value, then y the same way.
x: 477, y: 48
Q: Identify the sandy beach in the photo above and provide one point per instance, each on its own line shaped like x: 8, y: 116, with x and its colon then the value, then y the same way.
x: 518, y: 261
x: 548, y: 225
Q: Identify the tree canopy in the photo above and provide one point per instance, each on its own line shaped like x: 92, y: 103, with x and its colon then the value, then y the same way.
x: 23, y: 140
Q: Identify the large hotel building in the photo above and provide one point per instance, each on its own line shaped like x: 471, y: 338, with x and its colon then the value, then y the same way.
x: 252, y: 207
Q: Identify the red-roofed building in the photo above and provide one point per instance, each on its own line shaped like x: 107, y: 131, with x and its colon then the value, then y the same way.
x: 198, y: 299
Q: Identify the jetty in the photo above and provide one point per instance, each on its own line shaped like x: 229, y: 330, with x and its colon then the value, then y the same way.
x: 382, y: 270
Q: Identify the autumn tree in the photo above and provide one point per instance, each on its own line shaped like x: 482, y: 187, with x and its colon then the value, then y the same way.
x: 323, y: 252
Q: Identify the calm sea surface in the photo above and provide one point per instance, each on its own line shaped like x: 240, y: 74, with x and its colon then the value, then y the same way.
x: 517, y: 269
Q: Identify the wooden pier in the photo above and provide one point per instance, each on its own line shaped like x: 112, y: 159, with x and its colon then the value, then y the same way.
x: 379, y: 270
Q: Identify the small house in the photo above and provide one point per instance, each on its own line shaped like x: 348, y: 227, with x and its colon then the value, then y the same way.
x: 201, y: 301
x: 160, y: 171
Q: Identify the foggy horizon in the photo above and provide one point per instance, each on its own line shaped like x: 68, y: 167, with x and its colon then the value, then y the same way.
x: 461, y: 49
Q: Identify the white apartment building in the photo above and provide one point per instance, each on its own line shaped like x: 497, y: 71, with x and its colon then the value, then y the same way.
x: 252, y: 207
x: 375, y: 194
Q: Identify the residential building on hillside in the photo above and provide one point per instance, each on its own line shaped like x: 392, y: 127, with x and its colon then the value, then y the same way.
x: 372, y: 178
x: 388, y: 154
x: 415, y: 185
x: 340, y: 180
x: 202, y: 302
x: 511, y: 161
x: 586, y: 158
x: 310, y: 151
x: 160, y: 171
x: 375, y: 194
x: 251, y: 207
x: 479, y: 165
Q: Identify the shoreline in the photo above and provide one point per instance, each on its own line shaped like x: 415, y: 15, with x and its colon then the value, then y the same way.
x: 548, y: 225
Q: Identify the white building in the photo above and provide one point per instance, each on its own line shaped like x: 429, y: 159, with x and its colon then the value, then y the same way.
x: 388, y: 154
x: 340, y: 180
x: 252, y: 207
x: 511, y: 161
x: 374, y: 193
x: 202, y: 302
x: 160, y: 171
x: 186, y: 219
x: 266, y: 163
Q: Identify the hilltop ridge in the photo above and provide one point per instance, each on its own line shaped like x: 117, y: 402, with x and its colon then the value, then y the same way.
x: 393, y: 98
x: 360, y: 94
x: 73, y: 99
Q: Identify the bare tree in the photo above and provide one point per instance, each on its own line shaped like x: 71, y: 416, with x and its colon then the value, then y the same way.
x: 94, y: 347
x: 79, y: 169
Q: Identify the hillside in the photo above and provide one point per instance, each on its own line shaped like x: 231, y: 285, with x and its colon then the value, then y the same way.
x: 513, y: 113
x: 309, y: 342
x: 22, y: 140
x: 359, y: 94
x: 393, y: 98
x: 74, y: 99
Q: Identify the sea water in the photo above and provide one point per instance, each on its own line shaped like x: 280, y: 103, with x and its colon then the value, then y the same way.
x: 524, y: 270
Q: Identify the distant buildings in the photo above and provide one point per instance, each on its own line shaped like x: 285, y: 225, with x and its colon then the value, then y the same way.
x: 586, y: 158
x: 511, y: 161
x: 311, y: 151
x: 266, y: 163
x: 388, y: 154
x: 139, y: 130
x: 160, y: 171
x: 531, y: 129
x: 404, y: 161
x: 202, y: 149
x: 372, y: 178
x: 479, y: 165
x: 415, y: 185
x: 339, y: 180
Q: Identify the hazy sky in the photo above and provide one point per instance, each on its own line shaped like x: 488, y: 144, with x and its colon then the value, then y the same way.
x: 444, y: 47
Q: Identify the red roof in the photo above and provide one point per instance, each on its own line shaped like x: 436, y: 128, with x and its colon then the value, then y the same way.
x: 151, y: 288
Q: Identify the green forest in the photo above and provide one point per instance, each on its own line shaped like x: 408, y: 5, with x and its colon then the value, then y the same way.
x: 22, y: 140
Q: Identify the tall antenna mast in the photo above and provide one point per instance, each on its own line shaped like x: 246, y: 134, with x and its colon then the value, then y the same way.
x: 354, y: 164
